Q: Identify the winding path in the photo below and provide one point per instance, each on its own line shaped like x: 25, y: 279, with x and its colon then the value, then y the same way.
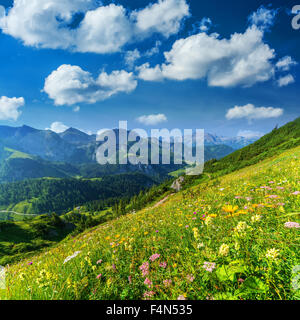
x: 18, y: 213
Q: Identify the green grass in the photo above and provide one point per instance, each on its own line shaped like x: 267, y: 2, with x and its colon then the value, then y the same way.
x: 17, y: 154
x: 235, y: 222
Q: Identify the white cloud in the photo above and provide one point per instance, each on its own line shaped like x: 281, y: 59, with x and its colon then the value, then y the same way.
x: 242, y: 60
x: 251, y: 112
x: 9, y: 108
x: 152, y: 119
x: 248, y: 134
x: 263, y: 17
x: 285, y: 63
x: 205, y: 24
x: 286, y: 80
x: 69, y: 85
x: 131, y: 57
x: 103, y: 29
x: 58, y: 127
x: 76, y: 109
x: 163, y: 17
x: 154, y: 50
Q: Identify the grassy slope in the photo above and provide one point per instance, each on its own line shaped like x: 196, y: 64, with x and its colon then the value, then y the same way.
x: 184, y: 241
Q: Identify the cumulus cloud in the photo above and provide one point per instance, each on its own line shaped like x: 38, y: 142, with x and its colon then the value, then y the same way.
x: 242, y: 60
x: 69, y: 85
x: 9, y: 108
x: 58, y: 127
x: 286, y: 80
x: 249, y: 134
x: 152, y: 119
x: 131, y: 57
x: 84, y: 26
x: 285, y: 63
x: 251, y: 112
x: 162, y: 17
x: 263, y: 17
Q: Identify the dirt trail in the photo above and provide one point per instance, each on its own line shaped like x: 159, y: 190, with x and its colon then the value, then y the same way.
x: 162, y: 201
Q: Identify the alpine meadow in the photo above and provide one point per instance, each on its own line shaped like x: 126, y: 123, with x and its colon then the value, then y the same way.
x: 202, y: 199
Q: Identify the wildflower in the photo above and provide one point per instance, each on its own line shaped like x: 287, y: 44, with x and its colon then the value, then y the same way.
x: 154, y: 257
x: 99, y: 276
x: 256, y: 218
x: 272, y: 196
x: 241, y: 280
x: 163, y: 265
x: 200, y: 245
x: 209, y: 221
x: 292, y: 225
x: 181, y: 297
x: 145, y: 268
x: 241, y: 228
x: 149, y: 294
x: 22, y: 276
x: 209, y: 266
x: 148, y: 282
x: 296, y: 193
x: 75, y: 254
x: 272, y: 254
x: 99, y: 261
x: 224, y: 250
x: 30, y: 263
x: 167, y: 282
x: 130, y: 279
x: 230, y: 209
x: 190, y: 277
x: 196, y: 233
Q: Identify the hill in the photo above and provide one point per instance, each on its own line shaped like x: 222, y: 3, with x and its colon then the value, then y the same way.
x: 230, y: 238
x: 37, y: 196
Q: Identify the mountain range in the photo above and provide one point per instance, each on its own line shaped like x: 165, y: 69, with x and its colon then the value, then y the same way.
x: 26, y: 152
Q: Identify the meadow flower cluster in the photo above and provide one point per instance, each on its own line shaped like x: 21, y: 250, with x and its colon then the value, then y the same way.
x: 232, y: 237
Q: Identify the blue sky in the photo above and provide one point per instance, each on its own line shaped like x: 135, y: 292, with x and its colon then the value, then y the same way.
x: 206, y: 75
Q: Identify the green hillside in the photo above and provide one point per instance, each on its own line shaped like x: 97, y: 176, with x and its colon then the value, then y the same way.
x: 37, y: 196
x: 232, y: 238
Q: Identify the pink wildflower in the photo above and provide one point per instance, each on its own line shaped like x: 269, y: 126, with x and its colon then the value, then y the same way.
x: 163, y: 265
x: 149, y: 294
x: 99, y: 276
x: 292, y: 225
x: 154, y: 257
x: 209, y: 266
x: 148, y: 282
x: 190, y: 277
x: 145, y: 268
x: 167, y: 282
